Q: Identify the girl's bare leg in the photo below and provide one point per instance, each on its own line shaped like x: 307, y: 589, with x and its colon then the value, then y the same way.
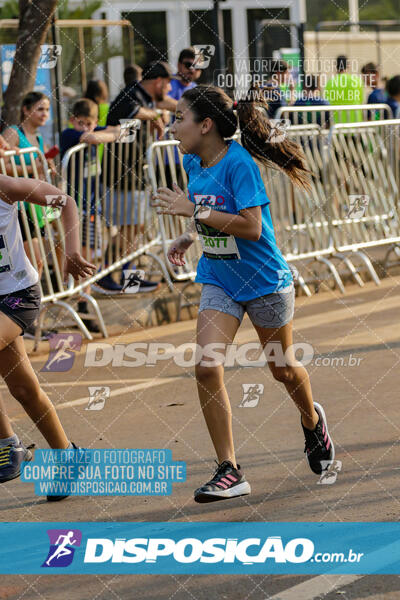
x: 293, y: 375
x: 23, y: 384
x: 212, y: 327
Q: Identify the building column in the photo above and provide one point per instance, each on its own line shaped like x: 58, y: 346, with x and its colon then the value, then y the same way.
x: 178, y: 32
x: 240, y: 42
x: 116, y: 64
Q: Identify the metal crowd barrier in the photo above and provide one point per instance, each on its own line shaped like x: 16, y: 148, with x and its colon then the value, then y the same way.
x: 44, y: 238
x: 118, y: 223
x: 113, y: 199
x: 362, y: 162
x: 312, y: 226
x: 326, y: 116
x: 300, y: 216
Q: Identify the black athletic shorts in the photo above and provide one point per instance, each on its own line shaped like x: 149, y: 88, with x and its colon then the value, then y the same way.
x: 22, y: 306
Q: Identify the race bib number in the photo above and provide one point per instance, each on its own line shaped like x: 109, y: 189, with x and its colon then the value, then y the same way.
x: 5, y: 261
x: 217, y: 244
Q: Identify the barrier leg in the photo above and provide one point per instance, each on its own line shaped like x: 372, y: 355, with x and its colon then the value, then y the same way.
x: 303, y: 285
x: 396, y: 249
x: 76, y: 318
x: 95, y: 306
x: 332, y: 269
x: 183, y: 304
x: 350, y: 266
x: 163, y: 269
x: 367, y: 261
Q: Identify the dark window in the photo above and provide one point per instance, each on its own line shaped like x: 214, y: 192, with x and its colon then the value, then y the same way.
x: 150, y: 35
x: 202, y: 32
x: 273, y: 37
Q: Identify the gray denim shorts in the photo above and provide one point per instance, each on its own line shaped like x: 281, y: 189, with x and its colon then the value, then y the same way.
x: 273, y: 310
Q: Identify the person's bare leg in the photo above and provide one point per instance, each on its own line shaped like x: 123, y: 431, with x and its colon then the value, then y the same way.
x: 9, y: 330
x: 293, y: 375
x: 23, y: 384
x: 212, y: 327
x: 6, y: 431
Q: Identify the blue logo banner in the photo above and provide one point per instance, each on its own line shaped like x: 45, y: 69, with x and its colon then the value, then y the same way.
x: 99, y: 472
x: 200, y: 548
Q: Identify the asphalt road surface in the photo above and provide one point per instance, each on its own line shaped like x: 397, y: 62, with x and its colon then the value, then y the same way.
x: 156, y: 406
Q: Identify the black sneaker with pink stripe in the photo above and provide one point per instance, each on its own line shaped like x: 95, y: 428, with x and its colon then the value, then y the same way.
x: 228, y: 482
x: 319, y: 448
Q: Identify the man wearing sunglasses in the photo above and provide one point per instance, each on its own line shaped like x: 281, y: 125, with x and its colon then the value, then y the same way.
x: 187, y: 73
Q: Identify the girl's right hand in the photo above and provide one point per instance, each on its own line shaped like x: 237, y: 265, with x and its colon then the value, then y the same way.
x: 177, y: 249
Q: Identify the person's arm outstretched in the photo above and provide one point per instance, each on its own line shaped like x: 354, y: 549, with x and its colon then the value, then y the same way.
x: 44, y: 194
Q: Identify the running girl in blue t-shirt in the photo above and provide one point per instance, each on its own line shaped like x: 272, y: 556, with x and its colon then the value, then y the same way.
x: 241, y: 269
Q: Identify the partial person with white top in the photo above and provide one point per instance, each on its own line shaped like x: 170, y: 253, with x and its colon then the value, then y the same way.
x: 19, y: 308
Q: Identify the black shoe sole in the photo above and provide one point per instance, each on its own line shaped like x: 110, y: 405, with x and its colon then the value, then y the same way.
x: 204, y: 498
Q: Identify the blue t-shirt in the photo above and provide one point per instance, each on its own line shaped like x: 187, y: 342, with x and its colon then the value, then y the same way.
x: 69, y: 138
x: 394, y: 105
x: 244, y: 269
x: 377, y: 96
x: 177, y: 88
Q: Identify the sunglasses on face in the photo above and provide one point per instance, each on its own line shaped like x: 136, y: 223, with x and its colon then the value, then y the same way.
x: 189, y: 65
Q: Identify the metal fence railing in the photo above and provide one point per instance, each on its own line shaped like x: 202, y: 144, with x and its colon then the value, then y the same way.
x: 112, y: 185
x: 362, y: 164
x: 326, y: 116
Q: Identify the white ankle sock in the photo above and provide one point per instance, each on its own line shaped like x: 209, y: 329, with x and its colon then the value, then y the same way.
x: 13, y: 440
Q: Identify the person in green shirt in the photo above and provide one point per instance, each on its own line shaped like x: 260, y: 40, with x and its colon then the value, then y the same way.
x: 345, y: 88
x: 97, y: 91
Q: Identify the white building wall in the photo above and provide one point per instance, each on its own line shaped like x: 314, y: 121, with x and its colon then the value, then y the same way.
x: 178, y: 31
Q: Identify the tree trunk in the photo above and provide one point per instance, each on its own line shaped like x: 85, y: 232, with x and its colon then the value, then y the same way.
x: 34, y: 22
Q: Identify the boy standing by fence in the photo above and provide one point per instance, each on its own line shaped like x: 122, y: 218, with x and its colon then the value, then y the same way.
x: 85, y: 130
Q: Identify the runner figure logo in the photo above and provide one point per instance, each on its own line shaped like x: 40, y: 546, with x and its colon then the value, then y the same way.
x: 97, y: 397
x: 278, y: 131
x: 132, y: 280
x: 12, y: 302
x: 62, y: 351
x: 251, y: 394
x: 203, y: 202
x: 129, y: 129
x: 285, y: 278
x: 330, y: 470
x: 358, y: 206
x: 49, y: 55
x: 204, y: 53
x: 61, y: 551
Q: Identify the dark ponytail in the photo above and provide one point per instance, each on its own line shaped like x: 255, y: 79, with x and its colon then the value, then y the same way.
x: 256, y: 130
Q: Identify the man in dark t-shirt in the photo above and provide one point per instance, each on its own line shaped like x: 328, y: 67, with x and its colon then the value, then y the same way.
x: 136, y: 101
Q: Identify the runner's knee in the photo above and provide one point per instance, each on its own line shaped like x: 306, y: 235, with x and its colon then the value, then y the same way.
x: 283, y: 374
x: 25, y: 393
x: 209, y: 376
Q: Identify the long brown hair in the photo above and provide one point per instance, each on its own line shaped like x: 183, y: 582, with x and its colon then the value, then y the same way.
x: 256, y: 129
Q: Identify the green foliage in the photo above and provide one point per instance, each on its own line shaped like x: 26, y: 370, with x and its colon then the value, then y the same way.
x: 373, y: 10
x: 97, y: 46
x: 9, y: 10
x: 84, y: 11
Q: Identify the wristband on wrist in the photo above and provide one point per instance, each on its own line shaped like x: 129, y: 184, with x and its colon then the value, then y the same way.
x: 201, y: 211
